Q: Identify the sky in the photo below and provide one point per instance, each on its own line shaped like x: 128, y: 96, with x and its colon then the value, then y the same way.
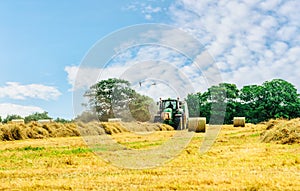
x: 44, y: 45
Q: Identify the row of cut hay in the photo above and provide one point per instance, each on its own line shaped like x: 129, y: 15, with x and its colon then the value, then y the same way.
x: 282, y: 131
x: 99, y: 128
x: 146, y: 127
x: 34, y: 130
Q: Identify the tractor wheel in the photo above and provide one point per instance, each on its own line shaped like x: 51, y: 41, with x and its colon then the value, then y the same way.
x: 177, y: 123
x: 197, y: 124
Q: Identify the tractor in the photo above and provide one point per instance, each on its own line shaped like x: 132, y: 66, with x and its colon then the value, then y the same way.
x: 175, y: 113
x: 172, y: 112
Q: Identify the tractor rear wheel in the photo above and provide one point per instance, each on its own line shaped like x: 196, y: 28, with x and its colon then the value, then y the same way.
x: 177, y: 123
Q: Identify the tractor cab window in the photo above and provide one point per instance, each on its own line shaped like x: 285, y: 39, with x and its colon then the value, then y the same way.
x: 170, y: 104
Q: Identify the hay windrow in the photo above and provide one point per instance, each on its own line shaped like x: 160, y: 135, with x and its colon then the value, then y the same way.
x: 282, y: 131
x: 35, y: 130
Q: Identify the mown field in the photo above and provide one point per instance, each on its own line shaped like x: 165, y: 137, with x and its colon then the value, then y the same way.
x: 238, y: 160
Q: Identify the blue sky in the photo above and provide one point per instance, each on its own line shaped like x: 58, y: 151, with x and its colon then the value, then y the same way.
x: 42, y: 43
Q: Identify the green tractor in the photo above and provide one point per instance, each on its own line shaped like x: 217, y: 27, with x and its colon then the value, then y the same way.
x: 172, y: 112
x: 175, y: 113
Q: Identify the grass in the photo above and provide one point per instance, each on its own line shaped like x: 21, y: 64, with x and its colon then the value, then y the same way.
x: 237, y: 161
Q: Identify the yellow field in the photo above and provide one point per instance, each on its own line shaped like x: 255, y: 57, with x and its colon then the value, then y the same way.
x: 237, y: 161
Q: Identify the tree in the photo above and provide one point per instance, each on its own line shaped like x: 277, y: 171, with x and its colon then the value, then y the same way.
x: 61, y: 120
x: 114, y: 98
x: 11, y: 117
x: 142, y: 107
x: 108, y: 97
x: 36, y: 116
x: 280, y: 99
x: 251, y: 103
x: 193, y: 103
x: 273, y: 99
x: 223, y: 102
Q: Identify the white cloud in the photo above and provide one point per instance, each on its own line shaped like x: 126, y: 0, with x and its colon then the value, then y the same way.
x: 136, y: 68
x: 148, y: 11
x: 84, y: 77
x: 14, y: 90
x: 10, y: 109
x: 251, y: 40
x: 148, y: 16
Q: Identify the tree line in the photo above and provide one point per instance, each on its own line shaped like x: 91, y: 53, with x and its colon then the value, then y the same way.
x: 273, y: 99
x: 33, y: 117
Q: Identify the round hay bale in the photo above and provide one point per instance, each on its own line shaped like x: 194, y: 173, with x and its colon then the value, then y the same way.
x: 114, y: 120
x: 239, y: 121
x: 197, y: 124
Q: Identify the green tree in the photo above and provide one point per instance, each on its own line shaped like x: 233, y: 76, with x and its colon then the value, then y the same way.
x: 36, y: 116
x: 114, y: 98
x: 108, y: 97
x: 193, y: 103
x: 223, y: 101
x: 11, y: 117
x: 141, y: 106
x: 62, y: 120
x: 251, y: 103
x: 279, y: 99
x: 273, y: 99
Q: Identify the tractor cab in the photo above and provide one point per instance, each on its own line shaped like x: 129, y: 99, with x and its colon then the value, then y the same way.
x: 172, y: 104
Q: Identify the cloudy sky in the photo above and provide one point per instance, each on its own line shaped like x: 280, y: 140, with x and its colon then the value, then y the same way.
x: 43, y: 44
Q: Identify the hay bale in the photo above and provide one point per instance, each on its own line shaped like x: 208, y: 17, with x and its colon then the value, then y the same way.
x: 114, y: 120
x: 18, y: 121
x: 197, y: 124
x: 44, y: 121
x: 239, y: 121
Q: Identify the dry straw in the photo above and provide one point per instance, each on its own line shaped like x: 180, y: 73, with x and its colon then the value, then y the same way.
x: 35, y: 130
x: 282, y: 131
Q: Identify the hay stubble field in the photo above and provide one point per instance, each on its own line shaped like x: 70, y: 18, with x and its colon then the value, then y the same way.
x: 238, y: 160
